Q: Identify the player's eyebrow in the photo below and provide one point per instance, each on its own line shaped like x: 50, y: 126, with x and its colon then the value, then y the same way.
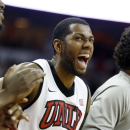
x: 84, y: 35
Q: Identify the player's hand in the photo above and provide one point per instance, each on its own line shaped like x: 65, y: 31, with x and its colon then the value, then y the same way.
x: 21, y: 83
x: 2, y: 119
x: 15, y: 111
x: 14, y: 115
x: 11, y: 115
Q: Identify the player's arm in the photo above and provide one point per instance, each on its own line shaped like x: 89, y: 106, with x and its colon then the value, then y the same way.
x: 106, y: 110
x: 32, y: 90
x: 35, y: 90
x: 11, y: 115
x: 3, y: 98
x: 19, y: 82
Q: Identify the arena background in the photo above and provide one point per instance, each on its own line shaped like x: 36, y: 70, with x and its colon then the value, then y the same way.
x: 27, y: 36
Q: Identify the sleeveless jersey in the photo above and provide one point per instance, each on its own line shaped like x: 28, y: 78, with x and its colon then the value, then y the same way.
x: 53, y: 110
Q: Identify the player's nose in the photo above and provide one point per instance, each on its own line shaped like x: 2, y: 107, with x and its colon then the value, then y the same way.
x: 88, y: 44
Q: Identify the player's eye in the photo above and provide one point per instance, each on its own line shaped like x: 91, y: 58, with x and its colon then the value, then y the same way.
x: 78, y: 38
x: 91, y: 40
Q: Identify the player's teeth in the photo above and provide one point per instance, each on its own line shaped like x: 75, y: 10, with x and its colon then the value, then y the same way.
x: 85, y: 55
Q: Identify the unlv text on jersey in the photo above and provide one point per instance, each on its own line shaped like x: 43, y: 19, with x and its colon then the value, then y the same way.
x: 59, y: 113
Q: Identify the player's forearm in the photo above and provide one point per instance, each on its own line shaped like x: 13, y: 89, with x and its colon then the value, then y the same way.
x: 5, y: 98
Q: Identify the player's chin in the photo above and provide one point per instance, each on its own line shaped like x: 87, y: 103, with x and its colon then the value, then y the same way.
x: 80, y: 72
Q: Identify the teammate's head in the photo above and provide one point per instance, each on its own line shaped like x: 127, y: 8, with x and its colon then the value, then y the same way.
x: 63, y: 28
x: 73, y: 43
x: 2, y: 6
x: 122, y: 51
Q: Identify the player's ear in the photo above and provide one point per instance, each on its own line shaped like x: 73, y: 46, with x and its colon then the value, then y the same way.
x: 57, y: 45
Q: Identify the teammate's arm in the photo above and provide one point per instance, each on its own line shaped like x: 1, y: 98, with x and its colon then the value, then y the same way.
x: 10, y: 116
x: 19, y: 82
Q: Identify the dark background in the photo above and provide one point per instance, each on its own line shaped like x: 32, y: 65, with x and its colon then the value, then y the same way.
x: 27, y: 36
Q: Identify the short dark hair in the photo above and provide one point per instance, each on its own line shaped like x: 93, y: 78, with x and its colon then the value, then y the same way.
x: 122, y: 51
x: 62, y: 28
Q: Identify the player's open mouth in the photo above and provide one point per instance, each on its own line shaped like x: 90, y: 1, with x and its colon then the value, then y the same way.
x: 83, y: 60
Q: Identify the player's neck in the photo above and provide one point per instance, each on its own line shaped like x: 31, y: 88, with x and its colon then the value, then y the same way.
x: 127, y: 72
x: 53, y: 60
x: 66, y: 78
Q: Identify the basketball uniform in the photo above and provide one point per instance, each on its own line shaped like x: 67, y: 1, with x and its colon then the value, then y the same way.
x: 56, y: 107
x: 110, y: 106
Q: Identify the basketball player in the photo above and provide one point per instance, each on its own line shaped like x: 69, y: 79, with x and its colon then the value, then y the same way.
x: 63, y: 100
x: 10, y: 94
x: 110, y: 107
